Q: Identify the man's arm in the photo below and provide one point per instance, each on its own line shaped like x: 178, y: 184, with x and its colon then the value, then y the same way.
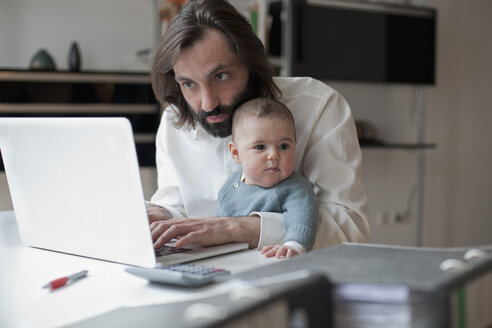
x: 339, y: 224
x: 166, y: 202
x: 272, y: 229
x: 157, y: 213
x: 207, y: 231
x: 166, y: 210
x: 329, y: 157
x: 330, y: 160
x: 201, y: 231
x: 333, y: 165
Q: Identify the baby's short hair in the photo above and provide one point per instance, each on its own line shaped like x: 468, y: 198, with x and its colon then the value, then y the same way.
x: 261, y: 108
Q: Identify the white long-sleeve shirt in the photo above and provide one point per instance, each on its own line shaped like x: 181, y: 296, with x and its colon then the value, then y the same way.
x: 192, y: 165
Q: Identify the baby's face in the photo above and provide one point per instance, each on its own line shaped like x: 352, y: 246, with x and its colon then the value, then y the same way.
x: 266, y: 149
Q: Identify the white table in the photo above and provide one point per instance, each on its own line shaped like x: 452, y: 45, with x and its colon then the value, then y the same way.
x: 24, y: 270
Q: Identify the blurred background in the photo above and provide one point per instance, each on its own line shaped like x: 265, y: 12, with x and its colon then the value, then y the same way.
x: 426, y: 152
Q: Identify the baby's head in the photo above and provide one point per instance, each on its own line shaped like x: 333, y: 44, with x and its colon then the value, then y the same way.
x: 264, y: 141
x: 262, y: 108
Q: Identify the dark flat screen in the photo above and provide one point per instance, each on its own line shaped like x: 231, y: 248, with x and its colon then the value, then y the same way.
x: 361, y: 45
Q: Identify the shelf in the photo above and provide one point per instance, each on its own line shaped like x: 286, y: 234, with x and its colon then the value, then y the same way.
x: 74, y: 77
x: 25, y: 93
x: 409, y: 146
x: 67, y: 108
x: 144, y: 144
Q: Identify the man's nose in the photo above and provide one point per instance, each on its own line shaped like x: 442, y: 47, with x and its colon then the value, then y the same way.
x: 210, y: 100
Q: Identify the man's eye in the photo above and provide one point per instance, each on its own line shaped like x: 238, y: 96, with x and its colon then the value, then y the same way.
x: 284, y: 146
x: 187, y: 85
x: 259, y: 147
x: 222, y: 76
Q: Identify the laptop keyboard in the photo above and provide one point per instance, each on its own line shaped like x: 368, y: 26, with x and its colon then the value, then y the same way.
x: 168, y: 250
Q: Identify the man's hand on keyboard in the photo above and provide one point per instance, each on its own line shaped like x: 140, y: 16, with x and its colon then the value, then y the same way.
x: 157, y: 213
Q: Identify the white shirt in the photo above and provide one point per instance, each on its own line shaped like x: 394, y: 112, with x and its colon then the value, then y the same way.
x: 192, y: 165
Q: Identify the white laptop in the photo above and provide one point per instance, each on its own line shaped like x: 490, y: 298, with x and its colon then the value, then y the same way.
x: 75, y: 187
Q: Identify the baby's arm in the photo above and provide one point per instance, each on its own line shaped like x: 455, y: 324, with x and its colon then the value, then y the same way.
x: 279, y: 251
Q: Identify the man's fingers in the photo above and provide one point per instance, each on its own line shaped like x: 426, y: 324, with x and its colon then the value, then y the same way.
x: 189, y: 238
x: 154, y: 225
x: 168, y: 230
x: 164, y: 233
x: 201, y: 231
x: 158, y: 228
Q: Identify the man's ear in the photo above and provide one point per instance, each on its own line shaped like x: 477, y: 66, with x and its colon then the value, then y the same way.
x: 234, y: 151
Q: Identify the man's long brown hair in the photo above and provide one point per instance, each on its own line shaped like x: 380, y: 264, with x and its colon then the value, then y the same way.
x: 190, y: 26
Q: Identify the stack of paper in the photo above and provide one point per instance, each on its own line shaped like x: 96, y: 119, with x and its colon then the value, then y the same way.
x: 386, y: 305
x: 398, y: 286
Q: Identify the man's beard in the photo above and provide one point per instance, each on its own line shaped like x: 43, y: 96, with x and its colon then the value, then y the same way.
x: 221, y: 129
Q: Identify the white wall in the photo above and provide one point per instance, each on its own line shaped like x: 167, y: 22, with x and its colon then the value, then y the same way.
x: 109, y: 32
x: 389, y: 175
x: 458, y: 180
x: 458, y: 185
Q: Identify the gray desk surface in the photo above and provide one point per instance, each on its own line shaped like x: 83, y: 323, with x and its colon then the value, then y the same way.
x: 23, y: 303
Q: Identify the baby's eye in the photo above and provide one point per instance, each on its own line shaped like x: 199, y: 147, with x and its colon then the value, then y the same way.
x: 284, y: 146
x: 259, y: 147
x: 222, y: 76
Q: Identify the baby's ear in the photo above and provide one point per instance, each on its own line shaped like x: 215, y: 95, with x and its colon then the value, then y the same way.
x: 234, y: 151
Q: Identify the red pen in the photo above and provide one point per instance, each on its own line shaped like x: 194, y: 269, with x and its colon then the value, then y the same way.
x: 60, y: 282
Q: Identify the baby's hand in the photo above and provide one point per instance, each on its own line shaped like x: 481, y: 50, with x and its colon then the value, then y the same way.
x: 278, y: 251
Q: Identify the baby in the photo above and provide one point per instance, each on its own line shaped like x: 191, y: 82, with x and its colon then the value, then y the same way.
x: 264, y: 143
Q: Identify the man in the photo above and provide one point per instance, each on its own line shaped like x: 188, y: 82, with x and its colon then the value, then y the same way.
x: 207, y: 64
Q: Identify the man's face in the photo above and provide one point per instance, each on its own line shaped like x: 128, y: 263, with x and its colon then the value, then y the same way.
x: 221, y: 128
x: 213, y: 82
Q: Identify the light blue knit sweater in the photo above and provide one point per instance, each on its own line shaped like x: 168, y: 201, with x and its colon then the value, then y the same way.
x: 293, y: 197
